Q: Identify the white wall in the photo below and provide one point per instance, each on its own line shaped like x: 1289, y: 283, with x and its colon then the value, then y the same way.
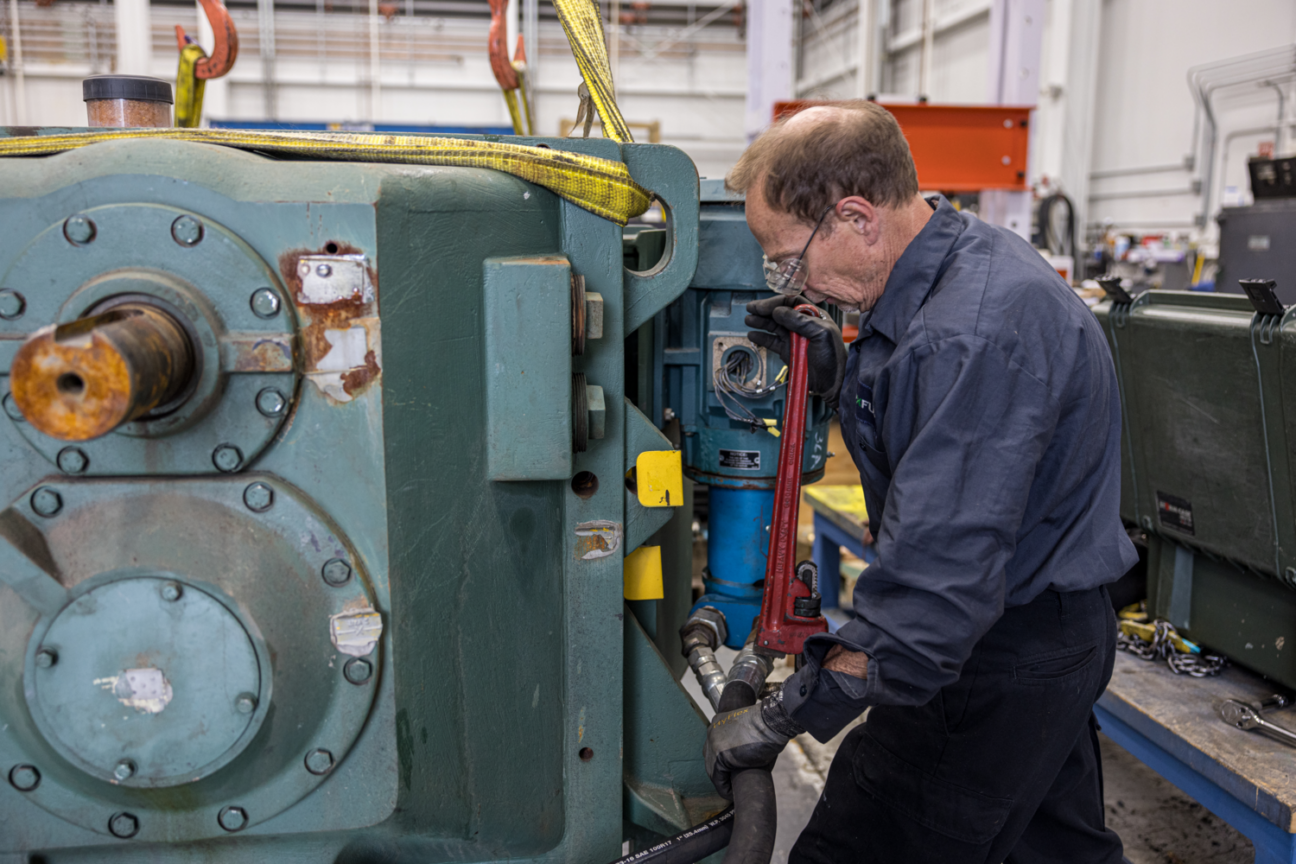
x: 694, y: 86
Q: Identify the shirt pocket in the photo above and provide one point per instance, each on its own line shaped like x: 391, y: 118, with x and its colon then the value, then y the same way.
x: 867, y: 437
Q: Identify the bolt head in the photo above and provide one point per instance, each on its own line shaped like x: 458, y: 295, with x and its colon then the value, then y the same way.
x: 79, y: 229
x: 171, y: 591
x: 319, y: 762
x: 24, y: 778
x: 357, y: 671
x: 11, y: 408
x: 336, y: 572
x: 187, y: 231
x: 227, y: 458
x: 324, y: 271
x: 12, y: 304
x: 73, y: 460
x: 265, y: 303
x: 232, y: 818
x: 271, y: 402
x: 123, y: 825
x: 246, y: 703
x: 46, y: 658
x: 258, y: 497
x: 124, y: 770
x: 46, y: 502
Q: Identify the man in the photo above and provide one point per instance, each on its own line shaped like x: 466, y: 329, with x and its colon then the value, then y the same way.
x: 980, y: 405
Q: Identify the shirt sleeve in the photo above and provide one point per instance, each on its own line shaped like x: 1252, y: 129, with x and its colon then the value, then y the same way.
x: 964, y: 429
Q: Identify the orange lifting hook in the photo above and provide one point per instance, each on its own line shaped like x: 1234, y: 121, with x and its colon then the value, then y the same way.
x: 225, y: 50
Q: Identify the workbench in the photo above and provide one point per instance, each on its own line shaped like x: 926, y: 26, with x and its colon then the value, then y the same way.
x: 840, y: 519
x: 1171, y: 723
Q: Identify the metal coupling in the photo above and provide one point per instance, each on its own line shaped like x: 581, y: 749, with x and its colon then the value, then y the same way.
x: 83, y: 379
x: 702, y: 633
x: 749, y: 671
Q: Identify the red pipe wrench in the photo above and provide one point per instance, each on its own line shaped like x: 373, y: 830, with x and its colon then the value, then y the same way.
x: 790, y: 605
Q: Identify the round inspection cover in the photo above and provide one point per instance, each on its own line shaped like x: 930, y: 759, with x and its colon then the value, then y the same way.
x: 147, y: 681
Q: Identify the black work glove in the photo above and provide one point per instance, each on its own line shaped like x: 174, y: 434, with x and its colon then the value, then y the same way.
x: 750, y: 737
x: 825, y: 351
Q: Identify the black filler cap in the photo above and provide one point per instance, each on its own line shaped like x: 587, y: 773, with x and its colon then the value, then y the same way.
x: 136, y: 88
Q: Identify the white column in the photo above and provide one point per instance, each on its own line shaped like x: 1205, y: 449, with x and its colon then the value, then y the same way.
x: 375, y: 64
x: 1016, y: 38
x: 134, y: 37
x: 769, y: 62
x: 1080, y: 102
x: 18, y: 80
x: 867, y: 47
x: 266, y: 30
x: 216, y: 90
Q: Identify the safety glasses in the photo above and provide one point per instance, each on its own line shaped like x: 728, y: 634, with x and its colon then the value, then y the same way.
x: 788, y: 277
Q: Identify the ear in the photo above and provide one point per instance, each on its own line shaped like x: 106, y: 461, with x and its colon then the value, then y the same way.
x: 859, y: 216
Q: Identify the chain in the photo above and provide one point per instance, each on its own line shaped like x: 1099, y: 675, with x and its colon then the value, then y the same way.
x: 1162, y: 645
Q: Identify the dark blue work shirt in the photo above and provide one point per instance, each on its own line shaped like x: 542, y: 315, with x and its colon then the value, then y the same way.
x: 980, y: 404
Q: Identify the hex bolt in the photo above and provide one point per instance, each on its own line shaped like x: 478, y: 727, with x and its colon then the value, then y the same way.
x: 12, y: 304
x: 319, y: 762
x: 124, y: 770
x: 46, y: 658
x: 11, y: 408
x: 271, y: 402
x: 265, y: 303
x: 324, y: 271
x: 24, y: 778
x: 357, y: 671
x: 227, y: 458
x: 171, y: 591
x: 79, y: 229
x: 232, y: 818
x: 46, y: 502
x: 123, y: 825
x: 246, y: 703
x: 336, y: 572
x: 73, y: 460
x: 258, y: 497
x: 187, y: 231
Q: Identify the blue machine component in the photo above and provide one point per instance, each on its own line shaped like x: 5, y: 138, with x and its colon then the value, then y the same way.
x: 724, y: 390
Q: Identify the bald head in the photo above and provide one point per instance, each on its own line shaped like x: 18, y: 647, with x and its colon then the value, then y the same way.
x: 806, y: 162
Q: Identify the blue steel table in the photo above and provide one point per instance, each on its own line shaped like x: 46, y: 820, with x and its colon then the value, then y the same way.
x: 840, y: 520
x: 1171, y: 723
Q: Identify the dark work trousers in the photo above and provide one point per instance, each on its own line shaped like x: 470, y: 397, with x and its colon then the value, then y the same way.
x: 1000, y: 766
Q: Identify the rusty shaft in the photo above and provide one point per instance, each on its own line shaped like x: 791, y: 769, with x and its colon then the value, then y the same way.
x: 84, y: 379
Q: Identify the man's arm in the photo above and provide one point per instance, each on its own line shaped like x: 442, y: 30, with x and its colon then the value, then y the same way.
x: 964, y: 428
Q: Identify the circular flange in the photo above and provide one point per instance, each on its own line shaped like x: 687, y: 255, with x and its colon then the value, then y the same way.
x: 206, y: 287
x: 168, y: 668
x: 200, y: 615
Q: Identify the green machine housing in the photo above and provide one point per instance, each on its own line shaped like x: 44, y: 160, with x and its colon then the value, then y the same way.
x: 1208, y: 393
x: 357, y: 596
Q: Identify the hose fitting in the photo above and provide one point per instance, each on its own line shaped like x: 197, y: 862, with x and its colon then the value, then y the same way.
x: 701, y: 635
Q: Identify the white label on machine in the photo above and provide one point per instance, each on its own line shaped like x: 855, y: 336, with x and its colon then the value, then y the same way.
x: 742, y: 460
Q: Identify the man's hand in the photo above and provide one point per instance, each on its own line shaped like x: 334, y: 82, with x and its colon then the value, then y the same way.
x: 747, y: 738
x: 825, y: 353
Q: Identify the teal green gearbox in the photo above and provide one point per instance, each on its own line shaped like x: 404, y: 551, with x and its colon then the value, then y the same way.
x: 353, y: 590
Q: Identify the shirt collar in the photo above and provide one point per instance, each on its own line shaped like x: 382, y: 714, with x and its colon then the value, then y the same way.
x: 915, y: 273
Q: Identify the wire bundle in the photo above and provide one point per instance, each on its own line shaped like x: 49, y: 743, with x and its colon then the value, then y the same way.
x: 730, y: 379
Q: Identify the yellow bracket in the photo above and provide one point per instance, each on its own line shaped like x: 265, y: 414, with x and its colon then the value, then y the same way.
x: 659, y: 475
x: 643, y: 574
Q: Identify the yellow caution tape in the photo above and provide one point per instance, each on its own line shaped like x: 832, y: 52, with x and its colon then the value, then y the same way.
x: 189, y: 88
x: 584, y: 25
x: 599, y: 185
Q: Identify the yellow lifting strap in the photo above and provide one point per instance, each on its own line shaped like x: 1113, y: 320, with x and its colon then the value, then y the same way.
x: 189, y: 88
x: 584, y: 25
x: 599, y: 185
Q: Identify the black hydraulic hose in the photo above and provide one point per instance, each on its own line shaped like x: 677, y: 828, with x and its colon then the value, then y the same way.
x: 690, y: 847
x: 755, y: 810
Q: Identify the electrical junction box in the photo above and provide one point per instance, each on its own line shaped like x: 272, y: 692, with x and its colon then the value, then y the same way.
x: 1258, y: 242
x: 1208, y: 397
x: 292, y: 563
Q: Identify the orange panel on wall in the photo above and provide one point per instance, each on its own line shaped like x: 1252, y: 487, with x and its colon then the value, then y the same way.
x: 959, y: 148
